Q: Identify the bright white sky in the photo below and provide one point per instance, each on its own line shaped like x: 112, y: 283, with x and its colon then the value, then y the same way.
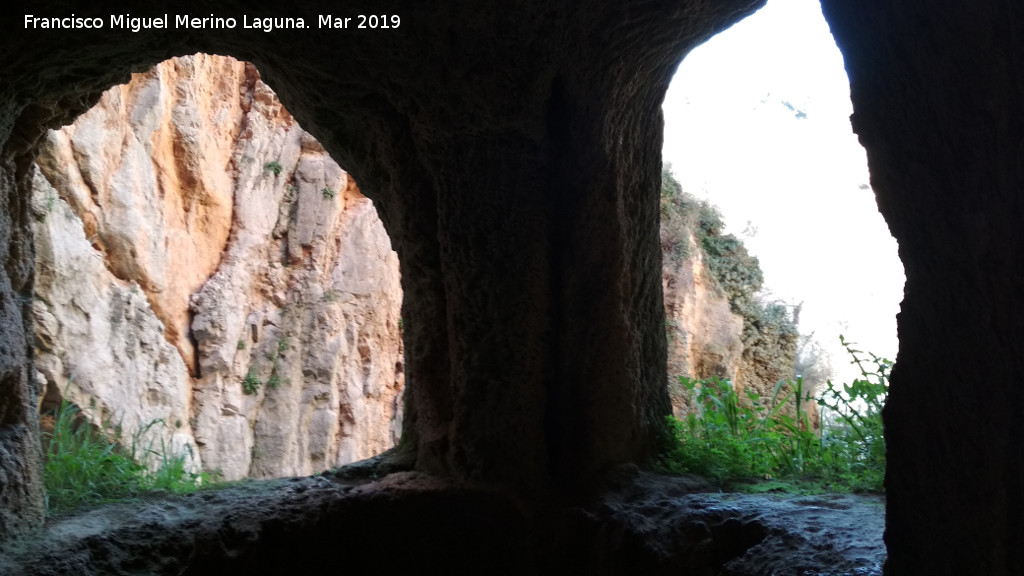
x: 801, y: 182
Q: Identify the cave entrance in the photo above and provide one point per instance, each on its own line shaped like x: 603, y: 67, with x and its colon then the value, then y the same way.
x: 793, y: 253
x: 211, y: 283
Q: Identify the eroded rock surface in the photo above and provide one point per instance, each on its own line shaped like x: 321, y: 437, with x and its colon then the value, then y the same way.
x: 712, y: 334
x: 413, y: 522
x: 203, y: 262
x: 704, y: 334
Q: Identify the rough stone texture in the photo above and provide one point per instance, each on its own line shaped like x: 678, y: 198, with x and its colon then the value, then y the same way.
x: 705, y: 337
x: 937, y: 91
x: 642, y: 525
x: 708, y: 338
x: 97, y: 342
x: 769, y: 353
x: 302, y: 299
x: 149, y: 172
x: 21, y: 489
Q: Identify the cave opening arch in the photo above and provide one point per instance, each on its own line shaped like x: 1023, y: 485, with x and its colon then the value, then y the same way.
x: 66, y: 102
x: 211, y: 282
x: 771, y: 94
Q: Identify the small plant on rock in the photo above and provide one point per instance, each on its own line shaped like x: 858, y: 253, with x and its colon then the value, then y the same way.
x: 275, y: 381
x: 251, y: 383
x: 328, y: 193
x: 274, y: 167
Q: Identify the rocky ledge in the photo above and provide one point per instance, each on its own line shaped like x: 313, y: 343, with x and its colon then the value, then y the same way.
x: 409, y: 521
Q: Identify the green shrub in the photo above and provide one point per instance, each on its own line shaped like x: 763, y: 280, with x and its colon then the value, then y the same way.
x: 83, y: 466
x: 855, y: 412
x: 275, y: 380
x: 328, y: 193
x: 736, y: 272
x: 274, y: 167
x: 676, y: 222
x: 733, y: 441
x: 251, y: 383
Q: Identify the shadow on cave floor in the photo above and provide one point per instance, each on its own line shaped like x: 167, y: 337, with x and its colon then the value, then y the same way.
x: 408, y: 521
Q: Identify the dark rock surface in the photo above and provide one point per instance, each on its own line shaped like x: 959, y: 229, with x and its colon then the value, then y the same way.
x: 411, y: 522
x: 21, y: 489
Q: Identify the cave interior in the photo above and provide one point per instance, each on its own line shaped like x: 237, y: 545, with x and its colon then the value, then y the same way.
x: 514, y: 156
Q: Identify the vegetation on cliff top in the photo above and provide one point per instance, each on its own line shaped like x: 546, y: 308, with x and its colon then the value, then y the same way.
x: 769, y: 333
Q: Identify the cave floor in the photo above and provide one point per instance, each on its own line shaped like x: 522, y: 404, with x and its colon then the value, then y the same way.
x: 641, y: 524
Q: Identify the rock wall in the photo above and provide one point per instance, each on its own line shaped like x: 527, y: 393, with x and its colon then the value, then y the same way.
x: 203, y: 262
x: 21, y: 486
x: 705, y: 337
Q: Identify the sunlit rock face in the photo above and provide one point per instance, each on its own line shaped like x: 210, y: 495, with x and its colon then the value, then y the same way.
x: 204, y: 263
x: 708, y: 338
x: 705, y: 337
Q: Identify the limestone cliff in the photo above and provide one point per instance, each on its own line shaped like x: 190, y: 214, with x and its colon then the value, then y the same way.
x: 715, y: 324
x: 203, y: 262
x: 704, y: 334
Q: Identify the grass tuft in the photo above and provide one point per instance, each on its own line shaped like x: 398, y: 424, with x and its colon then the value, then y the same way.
x: 84, y: 466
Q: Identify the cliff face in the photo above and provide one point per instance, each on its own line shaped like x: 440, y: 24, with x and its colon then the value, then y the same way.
x: 202, y: 261
x: 715, y: 324
x: 704, y: 334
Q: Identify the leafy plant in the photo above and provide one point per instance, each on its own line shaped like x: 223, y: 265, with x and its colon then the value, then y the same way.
x: 734, y: 269
x: 251, y: 383
x: 733, y: 440
x: 84, y: 465
x: 855, y: 412
x: 273, y: 166
x: 275, y: 380
x: 241, y: 345
x: 328, y: 193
